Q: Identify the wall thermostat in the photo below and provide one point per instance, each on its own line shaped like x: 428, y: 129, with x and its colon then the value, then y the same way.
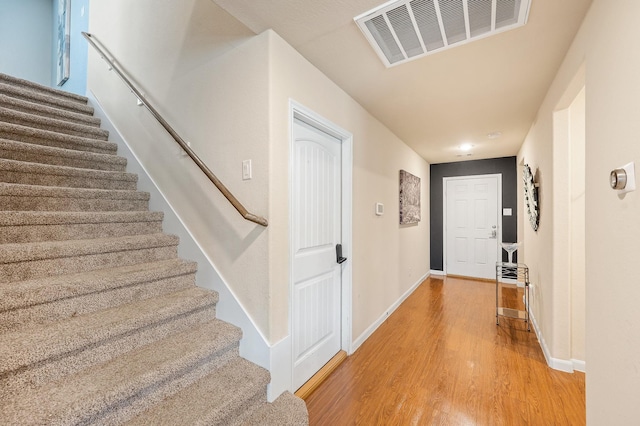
x: 623, y: 179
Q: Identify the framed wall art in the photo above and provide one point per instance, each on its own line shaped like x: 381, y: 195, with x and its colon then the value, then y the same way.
x: 63, y: 43
x: 409, y: 198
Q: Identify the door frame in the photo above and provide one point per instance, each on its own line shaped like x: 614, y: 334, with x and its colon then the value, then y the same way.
x: 444, y: 212
x: 306, y: 115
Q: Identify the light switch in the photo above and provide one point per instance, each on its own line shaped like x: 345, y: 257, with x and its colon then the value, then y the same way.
x: 246, y: 170
x: 506, y: 212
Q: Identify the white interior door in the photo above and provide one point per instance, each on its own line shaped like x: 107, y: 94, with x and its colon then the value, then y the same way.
x: 316, y: 224
x: 472, y: 226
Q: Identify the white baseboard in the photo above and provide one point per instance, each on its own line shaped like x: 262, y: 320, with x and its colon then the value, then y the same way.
x: 437, y: 272
x: 253, y: 345
x: 555, y: 363
x: 377, y: 323
x: 579, y: 365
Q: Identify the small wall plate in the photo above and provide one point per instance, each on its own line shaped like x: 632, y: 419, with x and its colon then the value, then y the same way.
x: 379, y: 209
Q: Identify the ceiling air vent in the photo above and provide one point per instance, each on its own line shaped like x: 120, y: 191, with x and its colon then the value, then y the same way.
x: 401, y: 31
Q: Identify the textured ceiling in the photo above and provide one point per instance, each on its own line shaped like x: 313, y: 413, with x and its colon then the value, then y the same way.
x: 441, y: 101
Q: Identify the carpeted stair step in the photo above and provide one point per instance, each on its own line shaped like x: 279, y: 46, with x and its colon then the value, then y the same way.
x: 51, y: 124
x: 24, y: 261
x: 208, y: 401
x: 16, y: 132
x: 113, y: 392
x: 27, y: 85
x: 12, y: 171
x: 49, y: 299
x: 45, y: 99
x: 36, y: 355
x: 33, y: 226
x: 286, y: 410
x: 18, y: 197
x: 21, y: 151
x: 47, y: 111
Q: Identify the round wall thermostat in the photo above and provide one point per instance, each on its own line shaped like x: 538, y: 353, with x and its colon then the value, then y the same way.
x: 618, y: 179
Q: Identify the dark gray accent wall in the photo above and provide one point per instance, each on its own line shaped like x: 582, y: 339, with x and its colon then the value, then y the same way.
x: 506, y: 166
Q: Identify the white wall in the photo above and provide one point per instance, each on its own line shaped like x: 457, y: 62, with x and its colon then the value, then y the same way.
x: 26, y: 34
x: 227, y: 91
x: 606, y: 46
x: 207, y: 74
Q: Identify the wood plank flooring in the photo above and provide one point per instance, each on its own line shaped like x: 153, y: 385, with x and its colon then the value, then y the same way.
x: 440, y: 359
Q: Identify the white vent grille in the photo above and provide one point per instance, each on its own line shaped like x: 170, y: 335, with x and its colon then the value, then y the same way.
x: 404, y: 30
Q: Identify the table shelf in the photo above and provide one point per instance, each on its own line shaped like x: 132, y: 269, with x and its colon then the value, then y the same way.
x: 512, y: 275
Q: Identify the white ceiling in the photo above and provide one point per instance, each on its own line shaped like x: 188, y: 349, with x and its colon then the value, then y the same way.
x: 443, y: 100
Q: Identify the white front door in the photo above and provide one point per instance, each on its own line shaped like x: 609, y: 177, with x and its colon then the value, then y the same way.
x: 472, y: 226
x: 316, y: 225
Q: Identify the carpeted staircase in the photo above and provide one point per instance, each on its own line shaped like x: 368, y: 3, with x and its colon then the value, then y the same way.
x: 100, y: 321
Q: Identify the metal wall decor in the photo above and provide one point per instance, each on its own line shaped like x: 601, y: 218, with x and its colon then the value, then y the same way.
x: 531, y: 197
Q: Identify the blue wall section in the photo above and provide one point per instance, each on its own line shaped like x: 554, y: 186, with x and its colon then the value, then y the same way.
x: 77, y: 82
x: 26, y: 33
x: 506, y: 166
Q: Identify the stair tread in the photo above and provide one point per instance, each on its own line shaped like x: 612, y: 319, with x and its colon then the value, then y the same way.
x: 17, y: 189
x: 49, y: 169
x: 39, y: 88
x: 49, y: 289
x: 7, y: 129
x: 19, y: 218
x: 45, y: 99
x: 49, y: 123
x: 50, y: 151
x: 86, y: 394
x: 286, y: 410
x: 22, y: 252
x: 97, y: 330
x: 209, y: 400
x: 47, y: 111
x: 38, y: 343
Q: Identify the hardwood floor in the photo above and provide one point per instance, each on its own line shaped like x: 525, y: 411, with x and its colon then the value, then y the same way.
x: 440, y: 359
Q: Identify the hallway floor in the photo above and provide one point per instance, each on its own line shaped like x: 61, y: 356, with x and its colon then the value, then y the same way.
x: 440, y: 359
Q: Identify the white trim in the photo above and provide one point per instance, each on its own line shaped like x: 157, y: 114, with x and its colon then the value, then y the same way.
x: 437, y: 272
x: 498, y: 176
x: 280, y: 368
x: 299, y: 111
x: 579, y: 365
x: 555, y: 363
x: 253, y: 345
x: 377, y: 323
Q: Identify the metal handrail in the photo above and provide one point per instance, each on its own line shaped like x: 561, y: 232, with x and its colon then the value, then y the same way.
x: 227, y: 194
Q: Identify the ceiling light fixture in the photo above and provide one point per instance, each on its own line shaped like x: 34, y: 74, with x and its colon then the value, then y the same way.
x: 403, y: 30
x: 466, y: 147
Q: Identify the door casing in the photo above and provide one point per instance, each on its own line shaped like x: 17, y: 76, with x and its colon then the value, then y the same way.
x: 302, y: 113
x: 444, y: 212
